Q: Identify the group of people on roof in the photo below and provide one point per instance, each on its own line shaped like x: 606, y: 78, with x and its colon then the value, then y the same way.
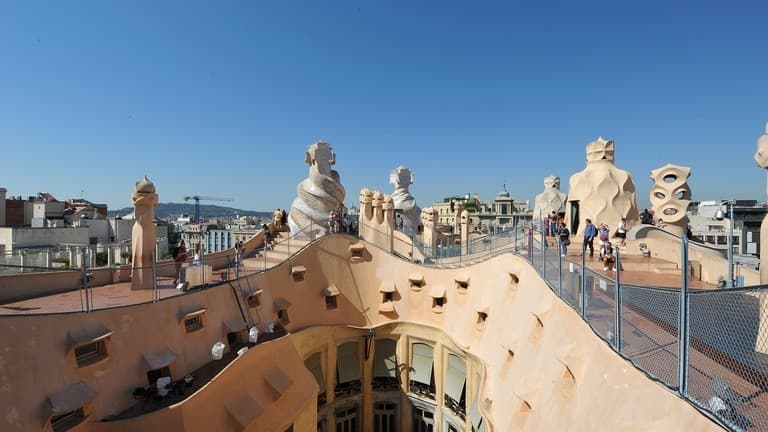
x: 603, y: 233
x: 557, y: 227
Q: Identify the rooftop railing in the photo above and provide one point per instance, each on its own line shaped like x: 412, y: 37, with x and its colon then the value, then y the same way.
x: 46, y: 285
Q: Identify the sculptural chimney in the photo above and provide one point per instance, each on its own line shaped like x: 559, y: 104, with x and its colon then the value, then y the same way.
x: 319, y: 194
x: 405, y: 204
x: 601, y: 192
x: 670, y: 196
x: 551, y: 200
x: 144, y: 234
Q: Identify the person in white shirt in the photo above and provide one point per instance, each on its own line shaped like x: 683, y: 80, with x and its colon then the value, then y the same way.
x: 621, y: 231
x: 197, y: 260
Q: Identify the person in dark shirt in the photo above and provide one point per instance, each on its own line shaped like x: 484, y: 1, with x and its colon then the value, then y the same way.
x: 565, y: 239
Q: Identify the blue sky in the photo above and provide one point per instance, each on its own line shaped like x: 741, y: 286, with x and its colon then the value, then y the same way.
x: 222, y: 98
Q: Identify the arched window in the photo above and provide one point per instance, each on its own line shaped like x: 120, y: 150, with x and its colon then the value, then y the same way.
x: 385, y: 365
x: 422, y: 377
x: 456, y: 385
x: 347, y: 369
x: 315, y: 365
x: 474, y: 412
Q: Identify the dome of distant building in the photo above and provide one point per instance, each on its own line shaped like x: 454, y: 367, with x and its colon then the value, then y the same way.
x: 503, y: 194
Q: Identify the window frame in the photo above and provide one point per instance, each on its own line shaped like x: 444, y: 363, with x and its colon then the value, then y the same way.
x: 68, y: 420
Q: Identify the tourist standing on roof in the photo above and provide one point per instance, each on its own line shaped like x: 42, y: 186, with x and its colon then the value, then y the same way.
x: 603, y: 235
x: 565, y: 239
x: 590, y: 232
x: 621, y: 231
x: 197, y: 260
x: 646, y: 217
x: 277, y: 218
x: 179, y: 256
x: 553, y: 223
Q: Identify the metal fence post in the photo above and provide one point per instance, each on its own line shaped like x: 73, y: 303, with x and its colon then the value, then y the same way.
x: 560, y: 270
x: 492, y: 236
x: 543, y: 255
x: 529, y: 238
x: 202, y: 264
x: 618, y: 301
x: 514, y: 248
x: 583, y: 296
x: 682, y: 333
x: 154, y: 278
x: 84, y: 266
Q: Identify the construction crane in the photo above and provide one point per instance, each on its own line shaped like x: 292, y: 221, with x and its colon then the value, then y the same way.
x: 198, y: 198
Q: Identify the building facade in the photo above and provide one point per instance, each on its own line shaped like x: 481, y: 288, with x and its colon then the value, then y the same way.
x: 502, y: 212
x: 747, y: 217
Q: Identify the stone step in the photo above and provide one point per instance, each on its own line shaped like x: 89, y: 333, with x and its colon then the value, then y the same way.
x: 633, y: 265
x: 666, y: 268
x: 254, y: 263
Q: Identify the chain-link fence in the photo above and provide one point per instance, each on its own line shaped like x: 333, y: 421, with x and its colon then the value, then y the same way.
x: 728, y: 360
x: 719, y: 361
x: 650, y: 318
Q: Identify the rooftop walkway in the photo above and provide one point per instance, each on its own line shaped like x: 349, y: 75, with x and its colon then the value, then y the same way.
x: 120, y: 294
x: 637, y: 270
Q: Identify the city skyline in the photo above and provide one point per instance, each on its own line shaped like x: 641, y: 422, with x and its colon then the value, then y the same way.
x: 222, y: 101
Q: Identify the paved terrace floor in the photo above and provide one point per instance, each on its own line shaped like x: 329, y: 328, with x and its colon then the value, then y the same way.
x: 121, y: 294
x: 640, y: 270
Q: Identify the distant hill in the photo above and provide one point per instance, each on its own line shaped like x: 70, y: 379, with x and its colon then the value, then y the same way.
x: 207, y: 211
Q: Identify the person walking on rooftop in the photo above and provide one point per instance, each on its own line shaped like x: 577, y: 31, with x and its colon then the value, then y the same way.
x: 284, y: 218
x: 553, y: 225
x: 179, y: 256
x: 332, y: 222
x: 238, y: 252
x: 565, y: 239
x: 621, y: 231
x: 277, y: 218
x: 197, y: 260
x: 590, y: 232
